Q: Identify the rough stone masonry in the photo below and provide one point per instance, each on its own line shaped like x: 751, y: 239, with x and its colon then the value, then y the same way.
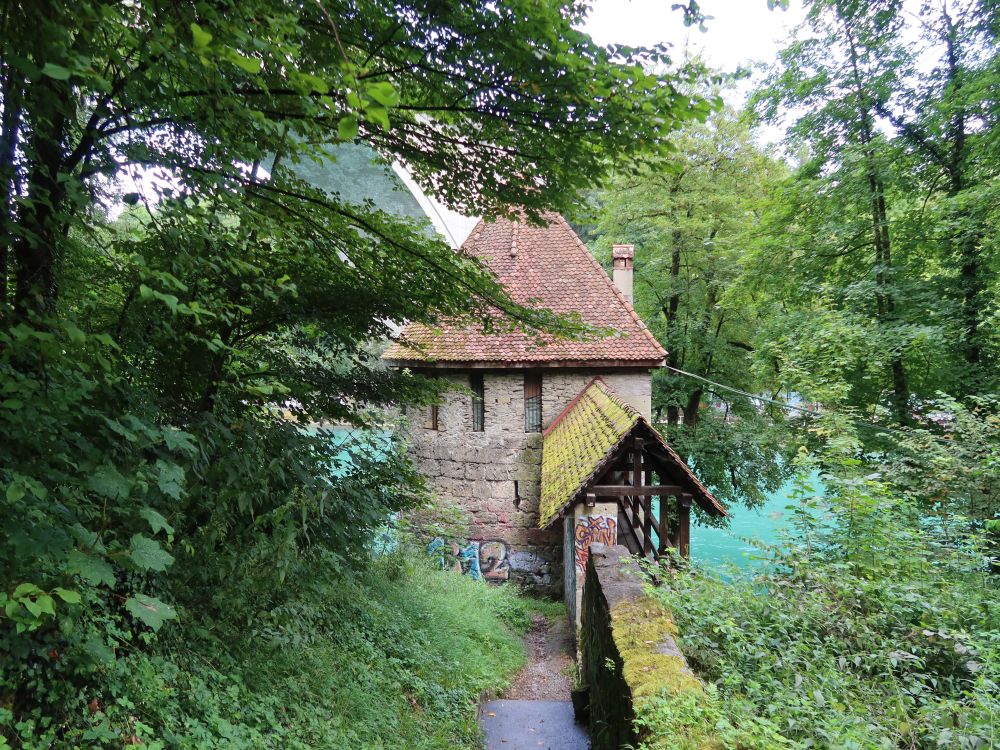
x: 493, y: 477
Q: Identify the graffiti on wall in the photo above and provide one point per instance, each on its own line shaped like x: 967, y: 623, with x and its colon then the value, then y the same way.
x: 486, y: 560
x: 592, y: 530
x: 494, y: 561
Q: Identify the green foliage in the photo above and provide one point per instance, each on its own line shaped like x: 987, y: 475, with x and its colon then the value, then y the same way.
x: 158, y: 370
x: 394, y: 657
x: 873, y: 627
x: 878, y: 254
x: 691, y: 218
x: 950, y: 469
x: 702, y: 721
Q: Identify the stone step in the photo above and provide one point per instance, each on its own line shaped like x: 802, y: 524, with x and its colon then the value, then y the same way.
x: 532, y: 725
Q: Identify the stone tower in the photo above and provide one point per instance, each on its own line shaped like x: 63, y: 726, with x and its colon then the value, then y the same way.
x: 482, y: 447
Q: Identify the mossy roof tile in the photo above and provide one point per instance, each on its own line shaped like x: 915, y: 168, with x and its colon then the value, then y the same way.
x: 578, y: 442
x: 584, y: 437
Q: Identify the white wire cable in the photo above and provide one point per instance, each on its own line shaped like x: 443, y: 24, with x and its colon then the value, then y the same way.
x: 801, y: 409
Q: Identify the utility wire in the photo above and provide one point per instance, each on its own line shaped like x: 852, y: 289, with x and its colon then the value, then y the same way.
x: 802, y: 409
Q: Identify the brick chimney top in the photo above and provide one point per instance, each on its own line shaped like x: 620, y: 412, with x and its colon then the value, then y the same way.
x: 624, y: 252
x: 623, y: 257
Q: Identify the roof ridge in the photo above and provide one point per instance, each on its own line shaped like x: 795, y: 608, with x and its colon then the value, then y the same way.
x: 614, y: 288
x: 473, y: 236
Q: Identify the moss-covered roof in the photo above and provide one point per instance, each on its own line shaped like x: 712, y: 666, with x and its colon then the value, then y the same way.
x: 585, y: 437
x: 578, y: 442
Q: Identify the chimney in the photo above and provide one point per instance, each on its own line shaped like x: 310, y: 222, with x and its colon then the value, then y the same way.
x: 623, y: 257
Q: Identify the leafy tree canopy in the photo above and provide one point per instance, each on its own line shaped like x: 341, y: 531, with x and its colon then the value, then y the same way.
x: 153, y: 364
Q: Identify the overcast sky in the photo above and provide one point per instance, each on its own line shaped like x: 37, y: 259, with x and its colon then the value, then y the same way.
x: 740, y: 31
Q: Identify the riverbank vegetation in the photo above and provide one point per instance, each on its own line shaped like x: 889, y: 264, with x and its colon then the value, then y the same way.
x: 871, y: 626
x: 830, y: 306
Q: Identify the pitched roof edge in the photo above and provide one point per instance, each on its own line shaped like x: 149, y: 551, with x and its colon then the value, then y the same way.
x: 573, y: 403
x: 716, y: 506
x: 611, y: 284
x: 710, y: 505
x: 601, y: 465
x: 522, y: 364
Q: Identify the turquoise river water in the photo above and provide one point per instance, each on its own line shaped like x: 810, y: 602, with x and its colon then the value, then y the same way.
x: 734, y: 545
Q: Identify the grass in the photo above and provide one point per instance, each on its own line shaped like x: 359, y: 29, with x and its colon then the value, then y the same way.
x: 396, y: 657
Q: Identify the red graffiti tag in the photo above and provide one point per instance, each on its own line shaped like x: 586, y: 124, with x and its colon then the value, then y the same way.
x: 593, y: 530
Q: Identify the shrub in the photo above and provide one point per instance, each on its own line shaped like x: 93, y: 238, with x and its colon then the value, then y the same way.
x: 871, y: 628
x: 396, y: 656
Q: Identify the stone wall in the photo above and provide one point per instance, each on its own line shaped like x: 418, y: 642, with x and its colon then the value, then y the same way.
x: 561, y: 386
x: 628, y: 651
x: 476, y: 471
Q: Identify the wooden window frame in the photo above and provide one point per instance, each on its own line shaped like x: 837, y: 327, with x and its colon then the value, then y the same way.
x: 478, y: 386
x: 532, y: 402
x: 432, y: 422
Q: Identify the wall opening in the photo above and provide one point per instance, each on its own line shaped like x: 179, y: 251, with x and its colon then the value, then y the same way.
x: 478, y: 402
x: 533, y: 402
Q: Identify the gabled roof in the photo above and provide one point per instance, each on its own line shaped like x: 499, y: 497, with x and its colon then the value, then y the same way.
x: 549, y: 267
x: 586, y: 437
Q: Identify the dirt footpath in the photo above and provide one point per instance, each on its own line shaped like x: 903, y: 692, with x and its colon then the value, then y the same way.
x: 548, y: 675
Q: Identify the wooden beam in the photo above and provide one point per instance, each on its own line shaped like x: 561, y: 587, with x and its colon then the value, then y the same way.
x: 627, y: 521
x: 620, y: 490
x: 631, y: 515
x: 624, y: 465
x: 684, y: 527
x: 636, y: 476
x: 632, y: 507
x: 663, y: 529
x: 647, y: 527
x: 626, y: 534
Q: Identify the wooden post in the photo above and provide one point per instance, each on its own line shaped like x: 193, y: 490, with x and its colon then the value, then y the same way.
x: 647, y: 504
x: 637, y: 462
x: 647, y: 527
x: 663, y: 526
x: 684, y: 526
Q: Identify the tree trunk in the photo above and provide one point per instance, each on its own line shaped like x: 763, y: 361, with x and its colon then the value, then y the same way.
x: 10, y: 134
x: 967, y: 241
x: 692, y: 408
x: 673, y: 304
x: 43, y: 220
x: 885, y: 303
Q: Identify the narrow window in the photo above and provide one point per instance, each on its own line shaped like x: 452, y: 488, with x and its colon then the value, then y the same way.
x: 517, y: 496
x: 478, y: 402
x: 533, y: 402
x: 432, y: 417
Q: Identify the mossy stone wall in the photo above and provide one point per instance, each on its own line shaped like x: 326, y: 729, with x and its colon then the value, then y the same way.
x: 627, y: 645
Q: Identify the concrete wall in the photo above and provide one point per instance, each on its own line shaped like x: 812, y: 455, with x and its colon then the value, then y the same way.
x: 476, y: 471
x: 628, y: 653
x: 594, y: 524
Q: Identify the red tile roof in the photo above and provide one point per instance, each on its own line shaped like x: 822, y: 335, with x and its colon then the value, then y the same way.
x: 550, y: 267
